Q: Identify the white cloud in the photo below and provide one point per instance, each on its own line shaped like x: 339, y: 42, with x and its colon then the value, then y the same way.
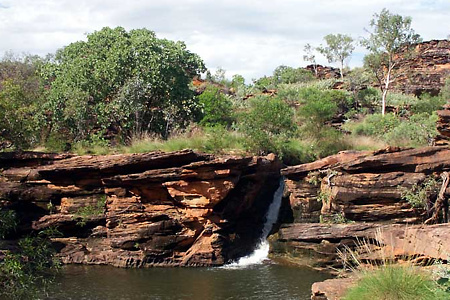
x: 242, y: 36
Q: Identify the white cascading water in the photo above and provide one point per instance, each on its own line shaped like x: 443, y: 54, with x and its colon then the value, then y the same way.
x: 260, y: 254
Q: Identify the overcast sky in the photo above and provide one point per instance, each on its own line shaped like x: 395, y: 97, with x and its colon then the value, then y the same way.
x: 244, y: 37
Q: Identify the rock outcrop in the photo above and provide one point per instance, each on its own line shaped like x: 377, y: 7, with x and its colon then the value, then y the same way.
x: 356, y: 194
x: 138, y: 210
x: 426, y: 70
x: 363, y: 186
x: 371, y: 242
x: 324, y: 72
x: 443, y: 125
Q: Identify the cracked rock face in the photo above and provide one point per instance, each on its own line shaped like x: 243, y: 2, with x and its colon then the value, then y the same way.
x: 139, y: 210
x: 426, y: 70
x: 356, y: 194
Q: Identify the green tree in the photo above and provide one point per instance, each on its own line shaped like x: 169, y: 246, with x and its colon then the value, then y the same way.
x: 339, y: 48
x: 216, y: 107
x: 268, y: 125
x: 288, y: 75
x: 21, y: 96
x: 390, y: 35
x: 130, y: 81
x: 310, y: 56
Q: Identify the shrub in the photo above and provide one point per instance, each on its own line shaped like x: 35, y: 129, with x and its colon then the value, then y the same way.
x: 216, y: 107
x: 28, y: 272
x: 396, y: 283
x: 419, y: 194
x: 8, y: 222
x: 267, y: 125
x: 419, y: 130
x: 428, y: 104
x: 285, y: 74
x: 376, y: 125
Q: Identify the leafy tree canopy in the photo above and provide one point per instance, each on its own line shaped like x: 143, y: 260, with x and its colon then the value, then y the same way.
x: 390, y: 34
x: 126, y: 81
x: 339, y: 47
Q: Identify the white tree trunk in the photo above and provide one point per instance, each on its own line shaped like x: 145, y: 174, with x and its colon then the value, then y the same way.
x: 385, y: 90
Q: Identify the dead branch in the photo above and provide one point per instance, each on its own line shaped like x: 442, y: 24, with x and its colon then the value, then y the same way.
x: 441, y: 202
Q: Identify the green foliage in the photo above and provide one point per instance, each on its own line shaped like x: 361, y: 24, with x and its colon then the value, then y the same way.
x: 428, y: 104
x: 267, y: 125
x: 390, y: 34
x: 83, y: 214
x: 339, y: 47
x: 336, y: 218
x: 418, y: 130
x: 376, y: 125
x: 131, y: 81
x: 396, y: 283
x: 324, y: 196
x: 288, y: 75
x: 319, y: 106
x: 21, y: 95
x: 27, y: 273
x: 310, y: 56
x: 94, y: 144
x: 216, y: 107
x: 419, y: 194
x: 445, y: 91
x: 264, y: 83
x: 442, y: 272
x: 8, y: 222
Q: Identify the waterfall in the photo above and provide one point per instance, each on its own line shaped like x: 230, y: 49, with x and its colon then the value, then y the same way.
x: 261, y: 252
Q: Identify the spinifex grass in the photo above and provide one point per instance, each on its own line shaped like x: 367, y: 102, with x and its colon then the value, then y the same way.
x: 389, y: 276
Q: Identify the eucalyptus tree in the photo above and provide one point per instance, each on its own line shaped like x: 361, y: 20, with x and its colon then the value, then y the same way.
x: 131, y: 81
x: 310, y: 56
x: 339, y: 48
x: 390, y: 35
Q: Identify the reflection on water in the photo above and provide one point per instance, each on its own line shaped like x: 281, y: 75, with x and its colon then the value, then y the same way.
x: 265, y: 281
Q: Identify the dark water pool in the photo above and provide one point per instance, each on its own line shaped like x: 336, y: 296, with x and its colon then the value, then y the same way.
x: 264, y: 281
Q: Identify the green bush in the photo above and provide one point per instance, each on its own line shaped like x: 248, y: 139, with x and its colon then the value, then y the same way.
x: 328, y: 141
x: 419, y: 194
x: 376, y: 125
x: 289, y: 75
x: 427, y: 104
x: 8, y: 222
x: 396, y: 283
x: 27, y: 273
x: 216, y: 107
x: 267, y: 125
x: 445, y: 91
x: 419, y: 130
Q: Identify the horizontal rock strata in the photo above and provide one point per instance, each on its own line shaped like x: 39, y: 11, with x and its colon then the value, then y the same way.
x: 138, y: 210
x: 364, y: 186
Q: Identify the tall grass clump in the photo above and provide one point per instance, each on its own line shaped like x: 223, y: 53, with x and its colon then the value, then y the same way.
x: 388, y: 275
x: 395, y: 282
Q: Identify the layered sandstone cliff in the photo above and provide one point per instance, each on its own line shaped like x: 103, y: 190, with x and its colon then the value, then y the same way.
x: 155, y: 209
x: 443, y: 125
x: 425, y: 70
x: 353, y: 194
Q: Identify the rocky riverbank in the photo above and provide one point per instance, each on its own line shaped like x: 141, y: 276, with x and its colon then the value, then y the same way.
x: 156, y: 209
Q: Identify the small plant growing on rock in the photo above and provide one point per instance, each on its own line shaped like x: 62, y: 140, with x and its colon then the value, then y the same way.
x: 419, y: 194
x: 86, y: 212
x: 324, y: 196
x: 313, y: 178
